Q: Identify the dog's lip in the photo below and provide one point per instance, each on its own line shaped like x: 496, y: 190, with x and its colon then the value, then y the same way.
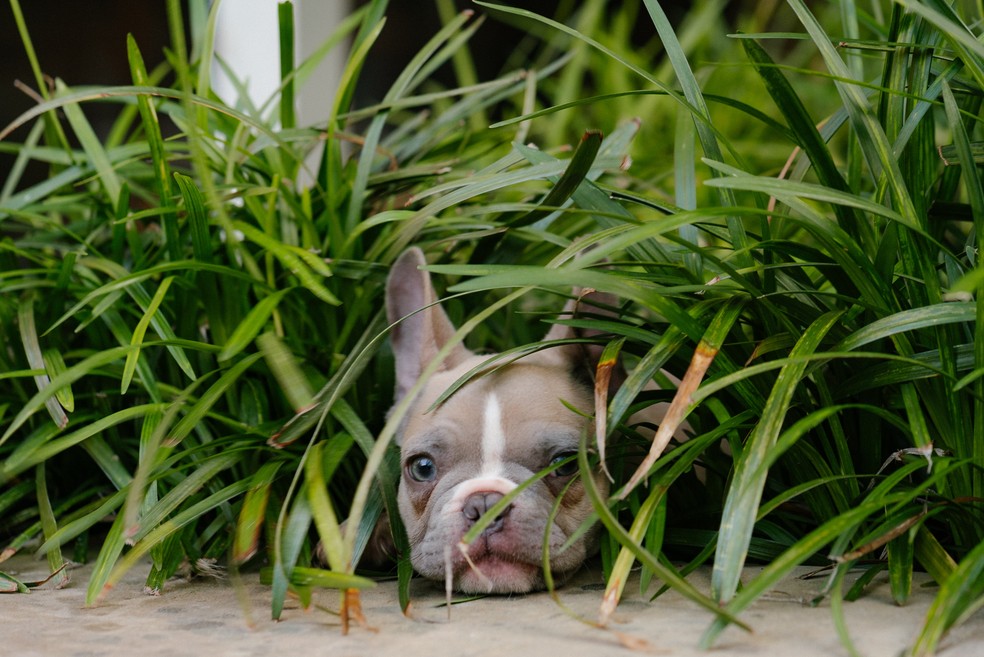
x: 506, y: 560
x: 502, y: 573
x: 487, y: 558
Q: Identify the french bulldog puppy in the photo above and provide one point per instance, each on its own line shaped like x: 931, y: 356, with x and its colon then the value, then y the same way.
x: 491, y: 435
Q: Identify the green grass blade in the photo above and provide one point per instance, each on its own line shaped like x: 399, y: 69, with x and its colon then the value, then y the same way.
x: 170, y: 526
x: 932, y: 555
x: 289, y: 375
x: 695, y: 96
x: 286, y: 550
x: 620, y: 572
x: 53, y: 130
x: 112, y: 548
x: 368, y: 33
x: 900, y: 562
x: 101, y: 510
x: 352, y: 367
x: 49, y: 525
x: 54, y: 363
x: 803, y: 126
x: 35, y: 359
x: 68, y: 377
x: 136, y: 341
x: 786, y: 189
x: 93, y: 148
x: 201, y: 242
x: 209, y: 398
x: 337, y: 552
x: 975, y: 192
x: 579, y: 167
x: 251, y: 325
x: 778, y: 568
x: 959, y: 593
x: 253, y: 512
x: 963, y: 40
x: 158, y: 320
x: 909, y: 320
x: 155, y: 144
x: 13, y: 494
x: 874, y: 143
x: 837, y: 609
x: 108, y: 460
x: 374, y: 132
x: 25, y: 154
x: 840, y: 528
x: 285, y: 18
x: 745, y: 494
x: 122, y: 281
x: 184, y: 490
x: 329, y: 579
x: 297, y: 262
x: 491, y: 277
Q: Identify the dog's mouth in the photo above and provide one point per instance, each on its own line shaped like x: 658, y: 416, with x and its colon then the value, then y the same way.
x: 493, y: 574
x: 481, y: 568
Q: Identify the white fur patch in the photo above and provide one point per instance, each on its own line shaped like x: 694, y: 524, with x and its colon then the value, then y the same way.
x: 490, y: 479
x: 493, y: 439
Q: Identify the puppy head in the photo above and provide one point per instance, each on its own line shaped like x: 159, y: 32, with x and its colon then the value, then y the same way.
x: 491, y: 435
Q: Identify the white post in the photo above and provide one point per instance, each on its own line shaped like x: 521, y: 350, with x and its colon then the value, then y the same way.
x: 247, y: 40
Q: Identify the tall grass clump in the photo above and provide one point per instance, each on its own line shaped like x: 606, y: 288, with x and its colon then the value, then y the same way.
x: 195, y: 344
x: 191, y: 306
x: 824, y: 305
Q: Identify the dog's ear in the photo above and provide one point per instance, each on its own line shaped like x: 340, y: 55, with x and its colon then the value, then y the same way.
x: 417, y: 339
x: 591, y: 304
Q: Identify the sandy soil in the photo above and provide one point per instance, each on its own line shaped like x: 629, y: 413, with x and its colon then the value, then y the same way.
x: 207, y: 618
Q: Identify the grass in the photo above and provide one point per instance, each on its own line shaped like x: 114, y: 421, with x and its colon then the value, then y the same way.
x: 798, y: 232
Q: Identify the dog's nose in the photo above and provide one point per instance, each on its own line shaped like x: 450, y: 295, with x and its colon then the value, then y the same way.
x: 478, y: 503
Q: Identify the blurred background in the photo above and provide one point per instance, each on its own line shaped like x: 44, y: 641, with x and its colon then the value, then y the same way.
x: 84, y: 43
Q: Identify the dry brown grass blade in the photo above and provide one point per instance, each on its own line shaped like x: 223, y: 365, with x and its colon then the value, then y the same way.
x: 603, y: 376
x: 878, y: 542
x: 702, y: 359
x: 352, y: 611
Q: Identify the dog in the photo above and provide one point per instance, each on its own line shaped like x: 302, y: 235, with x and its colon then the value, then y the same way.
x: 494, y: 433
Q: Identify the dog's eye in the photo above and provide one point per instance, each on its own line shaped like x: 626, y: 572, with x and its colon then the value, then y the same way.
x: 566, y: 469
x: 422, y: 469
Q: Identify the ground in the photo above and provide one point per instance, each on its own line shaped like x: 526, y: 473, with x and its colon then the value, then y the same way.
x: 207, y: 617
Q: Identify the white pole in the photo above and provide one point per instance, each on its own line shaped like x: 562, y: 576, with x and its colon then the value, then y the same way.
x: 247, y: 41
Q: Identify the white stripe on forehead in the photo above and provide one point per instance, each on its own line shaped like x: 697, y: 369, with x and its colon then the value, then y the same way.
x: 493, y: 438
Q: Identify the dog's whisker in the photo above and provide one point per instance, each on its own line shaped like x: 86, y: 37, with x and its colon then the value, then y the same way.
x: 448, y: 578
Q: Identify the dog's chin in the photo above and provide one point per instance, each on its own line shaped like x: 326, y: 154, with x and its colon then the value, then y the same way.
x: 499, y: 576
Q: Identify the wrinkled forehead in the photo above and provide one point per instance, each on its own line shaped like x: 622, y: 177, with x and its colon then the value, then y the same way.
x: 528, y: 397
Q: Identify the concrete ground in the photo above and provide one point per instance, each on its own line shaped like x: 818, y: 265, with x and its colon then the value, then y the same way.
x: 207, y: 618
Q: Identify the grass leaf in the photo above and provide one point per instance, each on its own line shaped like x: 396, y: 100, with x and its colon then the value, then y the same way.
x: 35, y: 358
x: 138, y: 334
